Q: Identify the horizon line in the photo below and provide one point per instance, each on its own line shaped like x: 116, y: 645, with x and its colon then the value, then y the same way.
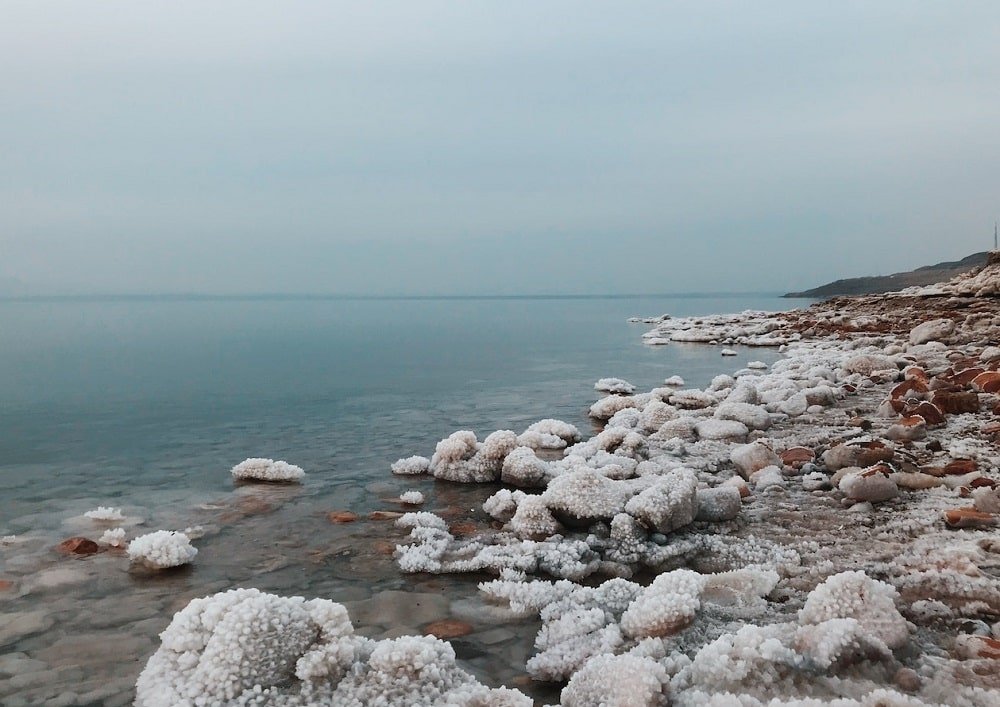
x: 250, y: 296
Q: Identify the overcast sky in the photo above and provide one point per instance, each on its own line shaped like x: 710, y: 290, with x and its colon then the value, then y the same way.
x: 492, y: 147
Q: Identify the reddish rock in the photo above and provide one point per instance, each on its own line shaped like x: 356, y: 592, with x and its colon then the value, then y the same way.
x: 384, y: 515
x: 966, y: 376
x: 463, y: 527
x: 988, y: 382
x: 982, y: 482
x: 446, y: 629
x: 383, y: 547
x: 77, y: 546
x: 931, y: 414
x: 959, y: 467
x: 968, y: 518
x: 873, y: 452
x: 848, y: 388
x: 341, y: 516
x: 6, y: 585
x: 972, y: 647
x: 797, y: 456
x: 860, y: 422
x: 915, y: 373
x: 908, y: 388
x: 955, y: 403
x: 991, y: 429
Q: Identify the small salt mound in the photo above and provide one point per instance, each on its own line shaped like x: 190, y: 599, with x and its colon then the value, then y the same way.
x: 115, y: 537
x: 161, y: 550
x: 614, y: 385
x: 258, y: 469
x: 411, y: 466
x: 105, y: 514
x: 855, y: 595
x: 412, y: 498
x: 617, y: 680
x: 728, y: 352
x: 674, y: 381
x: 757, y: 366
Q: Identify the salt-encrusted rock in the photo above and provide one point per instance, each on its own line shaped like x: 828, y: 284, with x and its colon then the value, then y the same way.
x: 766, y: 478
x: 862, y: 455
x: 986, y: 499
x: 533, y: 519
x: 714, y: 429
x: 584, y: 497
x: 855, y: 595
x: 678, y: 382
x: 670, y: 503
x: 244, y: 647
x: 796, y: 457
x: 934, y: 330
x: 605, y: 408
x: 666, y: 606
x: 719, y: 504
x: 815, y: 481
x: 753, y: 457
x: 411, y: 498
x: 678, y: 428
x: 990, y: 354
x: 728, y: 352
x: 971, y: 647
x: 411, y: 466
x: 908, y: 429
x: 267, y: 470
x: 162, y: 549
x: 604, y: 680
x: 522, y: 467
x: 105, y: 514
x: 461, y: 458
x: 113, y: 537
x: 616, y: 386
x: 969, y: 518
x: 872, y: 484
x: 753, y: 416
x: 867, y: 364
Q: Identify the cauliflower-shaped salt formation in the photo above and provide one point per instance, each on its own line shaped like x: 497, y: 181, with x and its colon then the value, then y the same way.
x: 617, y: 680
x: 563, y: 430
x: 258, y: 469
x: 855, y: 595
x: 667, y: 605
x: 411, y: 498
x: 533, y: 519
x: 674, y: 381
x: 670, y: 503
x: 582, y: 497
x: 522, y: 467
x: 161, y: 550
x: 615, y: 386
x: 115, y: 537
x: 106, y: 514
x: 411, y: 466
x: 605, y: 408
x: 461, y: 458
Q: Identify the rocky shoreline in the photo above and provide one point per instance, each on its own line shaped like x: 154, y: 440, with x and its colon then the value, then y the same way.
x: 823, y: 531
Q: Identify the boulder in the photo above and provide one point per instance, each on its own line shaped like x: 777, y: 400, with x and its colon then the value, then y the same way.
x: 934, y: 330
x: 872, y: 484
x: 753, y: 457
x: 955, y: 403
x: 719, y: 504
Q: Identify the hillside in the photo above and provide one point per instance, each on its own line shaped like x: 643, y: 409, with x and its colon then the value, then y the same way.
x: 875, y: 284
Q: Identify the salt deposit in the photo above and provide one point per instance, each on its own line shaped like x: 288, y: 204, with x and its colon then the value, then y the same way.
x: 259, y: 469
x: 162, y: 549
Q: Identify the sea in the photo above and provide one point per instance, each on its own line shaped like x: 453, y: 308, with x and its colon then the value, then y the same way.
x: 145, y: 403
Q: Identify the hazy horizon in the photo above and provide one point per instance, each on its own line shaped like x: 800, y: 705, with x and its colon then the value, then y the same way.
x: 483, y: 149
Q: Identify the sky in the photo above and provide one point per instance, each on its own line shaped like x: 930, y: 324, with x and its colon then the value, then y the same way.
x: 424, y: 147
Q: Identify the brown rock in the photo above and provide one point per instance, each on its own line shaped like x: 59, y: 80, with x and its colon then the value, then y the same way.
x: 6, y: 585
x: 991, y: 429
x: 873, y: 452
x: 988, y: 382
x: 906, y: 679
x: 912, y: 388
x: 797, y: 456
x: 971, y: 647
x: 77, y: 546
x: 384, y: 515
x: 383, y: 547
x: 968, y: 518
x: 959, y: 467
x: 446, y: 629
x: 463, y: 527
x: 955, y: 403
x: 983, y: 482
x: 915, y: 373
x: 931, y: 414
x: 963, y: 378
x: 341, y: 516
x: 860, y: 422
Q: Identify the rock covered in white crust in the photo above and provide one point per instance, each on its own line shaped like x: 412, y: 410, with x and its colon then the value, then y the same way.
x: 259, y: 469
x: 605, y: 680
x: 411, y: 498
x: 670, y: 503
x: 522, y: 467
x: 105, y: 514
x: 161, y: 550
x: 616, y: 386
x: 245, y: 647
x: 855, y: 595
x: 411, y: 466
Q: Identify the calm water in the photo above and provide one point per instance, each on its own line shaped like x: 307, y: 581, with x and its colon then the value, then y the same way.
x: 147, y: 404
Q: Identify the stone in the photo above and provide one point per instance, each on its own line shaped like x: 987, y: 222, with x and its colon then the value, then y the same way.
x: 731, y: 430
x: 931, y: 414
x: 968, y: 518
x: 908, y: 429
x: 934, y: 330
x: 862, y: 455
x: 446, y: 629
x: 866, y: 364
x: 910, y: 388
x: 795, y: 457
x: 987, y: 382
x: 753, y: 457
x: 384, y: 515
x: 341, y: 516
x: 960, y: 467
x: 872, y: 484
x: 77, y: 546
x: 717, y: 504
x: 972, y: 647
x: 990, y: 354
x: 986, y: 499
x: 955, y: 403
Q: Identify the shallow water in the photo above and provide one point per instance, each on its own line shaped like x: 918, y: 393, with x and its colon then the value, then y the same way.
x: 146, y: 404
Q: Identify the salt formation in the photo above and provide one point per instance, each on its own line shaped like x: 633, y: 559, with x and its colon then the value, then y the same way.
x: 114, y: 537
x: 258, y: 469
x: 461, y: 457
x: 614, y: 385
x: 411, y: 466
x: 162, y: 549
x: 245, y: 647
x: 105, y: 514
x: 412, y: 498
